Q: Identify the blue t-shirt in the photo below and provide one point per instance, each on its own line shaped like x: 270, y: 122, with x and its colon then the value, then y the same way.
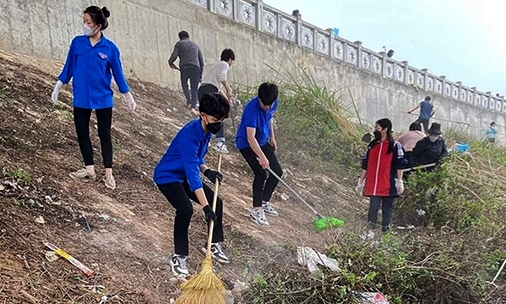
x: 254, y: 116
x: 92, y: 68
x: 425, y: 109
x: 184, y: 156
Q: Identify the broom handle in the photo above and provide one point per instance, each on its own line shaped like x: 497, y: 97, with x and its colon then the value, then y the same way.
x: 215, y: 199
x: 294, y: 193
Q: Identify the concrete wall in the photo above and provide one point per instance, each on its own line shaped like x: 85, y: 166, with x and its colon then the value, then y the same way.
x: 146, y: 30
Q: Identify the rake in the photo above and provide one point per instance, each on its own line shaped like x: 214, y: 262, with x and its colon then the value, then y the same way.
x: 321, y: 222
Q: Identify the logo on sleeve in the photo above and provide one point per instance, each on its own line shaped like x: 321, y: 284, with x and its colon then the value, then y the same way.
x: 102, y: 55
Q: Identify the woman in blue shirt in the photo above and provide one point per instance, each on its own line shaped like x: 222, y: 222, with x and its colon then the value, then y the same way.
x: 91, y: 62
x: 177, y: 175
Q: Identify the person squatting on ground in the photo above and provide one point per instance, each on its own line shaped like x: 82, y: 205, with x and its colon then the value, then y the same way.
x: 426, y: 112
x: 409, y: 139
x: 213, y: 80
x: 430, y: 149
x: 491, y: 132
x: 91, y: 62
x: 177, y: 175
x: 381, y: 178
x: 256, y: 142
x: 191, y: 67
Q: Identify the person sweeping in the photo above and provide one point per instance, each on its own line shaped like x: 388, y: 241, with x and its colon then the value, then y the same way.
x: 177, y: 175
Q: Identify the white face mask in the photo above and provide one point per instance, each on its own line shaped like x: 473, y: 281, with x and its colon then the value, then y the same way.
x: 433, y: 139
x: 88, y: 31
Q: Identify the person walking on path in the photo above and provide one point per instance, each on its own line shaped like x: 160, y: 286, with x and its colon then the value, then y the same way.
x: 177, y: 175
x: 213, y: 80
x: 92, y: 61
x: 381, y: 178
x: 256, y: 142
x: 191, y: 67
x: 491, y: 132
x: 426, y: 112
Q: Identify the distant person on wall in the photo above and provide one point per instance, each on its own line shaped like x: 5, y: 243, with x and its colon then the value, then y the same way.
x: 409, y: 139
x: 92, y: 60
x: 430, y: 149
x: 191, y: 66
x: 426, y: 112
x: 381, y: 178
x: 212, y: 82
x: 177, y: 175
x: 256, y: 142
x: 491, y: 132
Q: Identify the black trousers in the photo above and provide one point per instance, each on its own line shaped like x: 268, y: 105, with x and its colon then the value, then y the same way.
x: 193, y: 74
x: 82, y: 124
x: 179, y: 196
x: 263, y: 186
x: 387, y: 207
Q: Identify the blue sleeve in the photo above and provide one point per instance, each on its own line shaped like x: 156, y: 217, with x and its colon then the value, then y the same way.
x: 188, y: 150
x: 399, y: 160
x: 250, y: 118
x: 68, y: 69
x: 117, y: 70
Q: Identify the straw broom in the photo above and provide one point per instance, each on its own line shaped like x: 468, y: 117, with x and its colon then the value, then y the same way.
x: 205, y: 287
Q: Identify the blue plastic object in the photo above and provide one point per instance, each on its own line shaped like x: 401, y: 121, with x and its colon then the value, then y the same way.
x: 461, y: 147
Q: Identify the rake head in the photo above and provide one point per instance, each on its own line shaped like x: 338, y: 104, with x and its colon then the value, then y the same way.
x: 324, y: 223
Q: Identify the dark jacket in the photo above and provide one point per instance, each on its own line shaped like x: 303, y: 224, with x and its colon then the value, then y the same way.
x: 189, y: 55
x: 427, y: 152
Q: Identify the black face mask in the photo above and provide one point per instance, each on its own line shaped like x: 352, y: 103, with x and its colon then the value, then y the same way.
x: 377, y: 135
x: 214, y: 127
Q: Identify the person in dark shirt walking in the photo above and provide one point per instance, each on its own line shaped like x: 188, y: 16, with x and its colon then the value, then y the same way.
x: 426, y: 112
x: 191, y: 66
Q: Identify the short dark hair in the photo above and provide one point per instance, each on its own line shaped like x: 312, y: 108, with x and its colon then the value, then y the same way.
x: 214, y: 104
x: 415, y: 126
x: 227, y: 54
x: 427, y: 98
x: 268, y: 93
x: 98, y: 15
x: 183, y: 35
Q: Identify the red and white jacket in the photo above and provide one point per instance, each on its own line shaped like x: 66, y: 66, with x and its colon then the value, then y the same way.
x: 382, y: 168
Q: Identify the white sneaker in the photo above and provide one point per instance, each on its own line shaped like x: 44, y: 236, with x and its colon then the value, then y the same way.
x: 178, y: 265
x: 110, y: 182
x: 268, y: 209
x: 221, y: 148
x: 258, y: 216
x: 217, y: 253
x: 83, y: 174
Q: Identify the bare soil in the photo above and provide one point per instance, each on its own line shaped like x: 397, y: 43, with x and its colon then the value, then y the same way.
x: 131, y: 238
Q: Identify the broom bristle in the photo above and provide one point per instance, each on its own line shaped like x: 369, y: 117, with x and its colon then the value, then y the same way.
x: 205, y: 287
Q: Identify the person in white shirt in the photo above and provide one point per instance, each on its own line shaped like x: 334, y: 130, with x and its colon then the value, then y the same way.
x: 213, y: 81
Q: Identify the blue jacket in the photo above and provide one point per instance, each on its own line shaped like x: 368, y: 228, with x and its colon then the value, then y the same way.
x: 184, y: 156
x: 91, y: 68
x: 254, y: 116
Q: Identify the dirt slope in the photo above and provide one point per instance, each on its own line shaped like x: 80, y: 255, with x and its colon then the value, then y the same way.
x: 131, y: 240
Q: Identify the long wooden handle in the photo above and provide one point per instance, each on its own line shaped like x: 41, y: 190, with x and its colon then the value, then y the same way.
x: 213, y: 207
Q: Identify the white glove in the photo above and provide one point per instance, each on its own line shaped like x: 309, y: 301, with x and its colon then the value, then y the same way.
x: 129, y: 101
x: 359, y: 189
x: 56, y: 92
x: 399, y: 184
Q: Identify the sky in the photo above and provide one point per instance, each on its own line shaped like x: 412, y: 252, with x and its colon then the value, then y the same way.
x: 464, y: 40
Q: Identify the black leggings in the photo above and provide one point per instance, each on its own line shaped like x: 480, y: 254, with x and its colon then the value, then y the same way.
x: 82, y: 123
x: 262, y: 188
x: 179, y: 196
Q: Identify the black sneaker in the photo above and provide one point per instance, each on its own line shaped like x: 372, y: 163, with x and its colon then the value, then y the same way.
x: 217, y: 253
x: 178, y: 265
